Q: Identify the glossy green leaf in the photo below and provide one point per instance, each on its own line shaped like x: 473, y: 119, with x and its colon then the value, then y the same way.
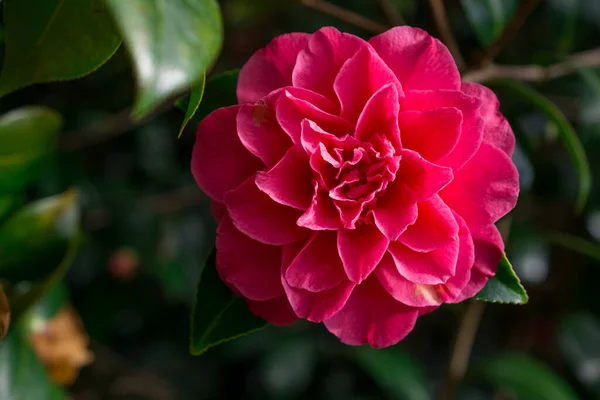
x: 22, y: 375
x: 489, y: 17
x: 50, y: 40
x: 525, y: 377
x: 34, y: 240
x: 565, y: 129
x: 191, y: 103
x: 218, y: 92
x: 504, y: 287
x: 395, y: 371
x: 28, y: 139
x: 172, y: 44
x: 8, y: 203
x: 218, y: 314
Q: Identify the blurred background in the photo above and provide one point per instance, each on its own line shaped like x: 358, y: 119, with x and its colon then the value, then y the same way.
x: 147, y: 230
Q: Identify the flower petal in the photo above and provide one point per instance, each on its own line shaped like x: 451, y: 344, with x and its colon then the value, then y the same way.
x: 322, y: 213
x: 371, y: 316
x: 418, y: 60
x: 489, y: 248
x: 424, y: 179
x: 297, y: 105
x: 270, y: 68
x: 431, y: 268
x: 276, y: 311
x: 477, y: 281
x: 319, y: 63
x: 433, y: 134
x: 395, y: 210
x: 317, y: 267
x: 218, y: 148
x: 290, y: 181
x: 259, y: 131
x: 361, y: 250
x: 472, y: 125
x: 258, y: 216
x: 380, y: 116
x: 251, y: 267
x: 485, y: 189
x: 496, y: 129
x: 434, y: 226
x: 359, y: 79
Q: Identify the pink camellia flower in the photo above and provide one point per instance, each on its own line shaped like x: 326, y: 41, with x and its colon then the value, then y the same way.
x: 357, y: 183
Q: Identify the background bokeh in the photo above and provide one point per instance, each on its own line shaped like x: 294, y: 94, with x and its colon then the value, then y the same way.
x: 148, y: 229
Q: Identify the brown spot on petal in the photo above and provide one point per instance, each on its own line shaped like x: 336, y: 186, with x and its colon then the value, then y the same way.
x: 260, y: 113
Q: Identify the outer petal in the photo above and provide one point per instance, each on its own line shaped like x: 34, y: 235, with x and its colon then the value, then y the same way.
x: 255, y: 214
x: 485, y: 189
x: 252, y: 268
x: 259, y: 131
x: 218, y: 148
x: 489, y: 247
x: 380, y: 117
x: 359, y: 79
x: 424, y: 179
x: 361, y: 250
x: 434, y: 227
x: 271, y: 67
x: 290, y: 181
x: 431, y: 268
x: 276, y: 311
x: 313, y: 306
x: 318, y: 266
x: 319, y: 63
x: 396, y: 210
x: 430, y: 64
x: 433, y: 134
x: 296, y: 105
x: 371, y: 316
x: 476, y: 282
x: 496, y: 129
x: 472, y: 126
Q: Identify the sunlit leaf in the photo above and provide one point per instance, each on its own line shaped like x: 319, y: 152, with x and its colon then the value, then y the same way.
x: 504, y: 287
x: 525, y: 377
x: 28, y: 138
x: 566, y: 132
x: 218, y: 314
x: 51, y: 40
x: 172, y: 44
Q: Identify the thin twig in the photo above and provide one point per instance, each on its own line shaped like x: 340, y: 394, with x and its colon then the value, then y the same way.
x: 391, y: 13
x: 459, y: 360
x: 346, y: 15
x: 443, y: 27
x: 536, y: 73
x: 509, y: 32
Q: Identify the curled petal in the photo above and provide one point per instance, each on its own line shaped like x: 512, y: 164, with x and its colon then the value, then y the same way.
x: 431, y: 268
x: 380, y: 117
x: 251, y: 267
x: 218, y: 148
x: 424, y: 179
x: 489, y: 248
x: 418, y: 60
x: 271, y: 67
x: 321, y: 214
x: 361, y: 250
x: 258, y: 216
x: 396, y: 210
x: 371, y: 316
x: 277, y: 311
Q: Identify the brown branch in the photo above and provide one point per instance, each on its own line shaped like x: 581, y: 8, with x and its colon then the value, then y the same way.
x: 536, y: 73
x: 459, y: 360
x: 526, y: 8
x: 443, y: 27
x: 346, y: 15
x: 391, y: 13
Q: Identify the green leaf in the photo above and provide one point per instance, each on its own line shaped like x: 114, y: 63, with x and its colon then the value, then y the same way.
x: 525, y: 378
x: 395, y: 371
x: 218, y: 315
x: 172, y: 44
x: 28, y: 138
x: 34, y: 241
x: 191, y: 103
x: 489, y: 17
x: 22, y: 375
x: 504, y: 287
x: 51, y: 40
x: 566, y: 132
x: 8, y: 203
